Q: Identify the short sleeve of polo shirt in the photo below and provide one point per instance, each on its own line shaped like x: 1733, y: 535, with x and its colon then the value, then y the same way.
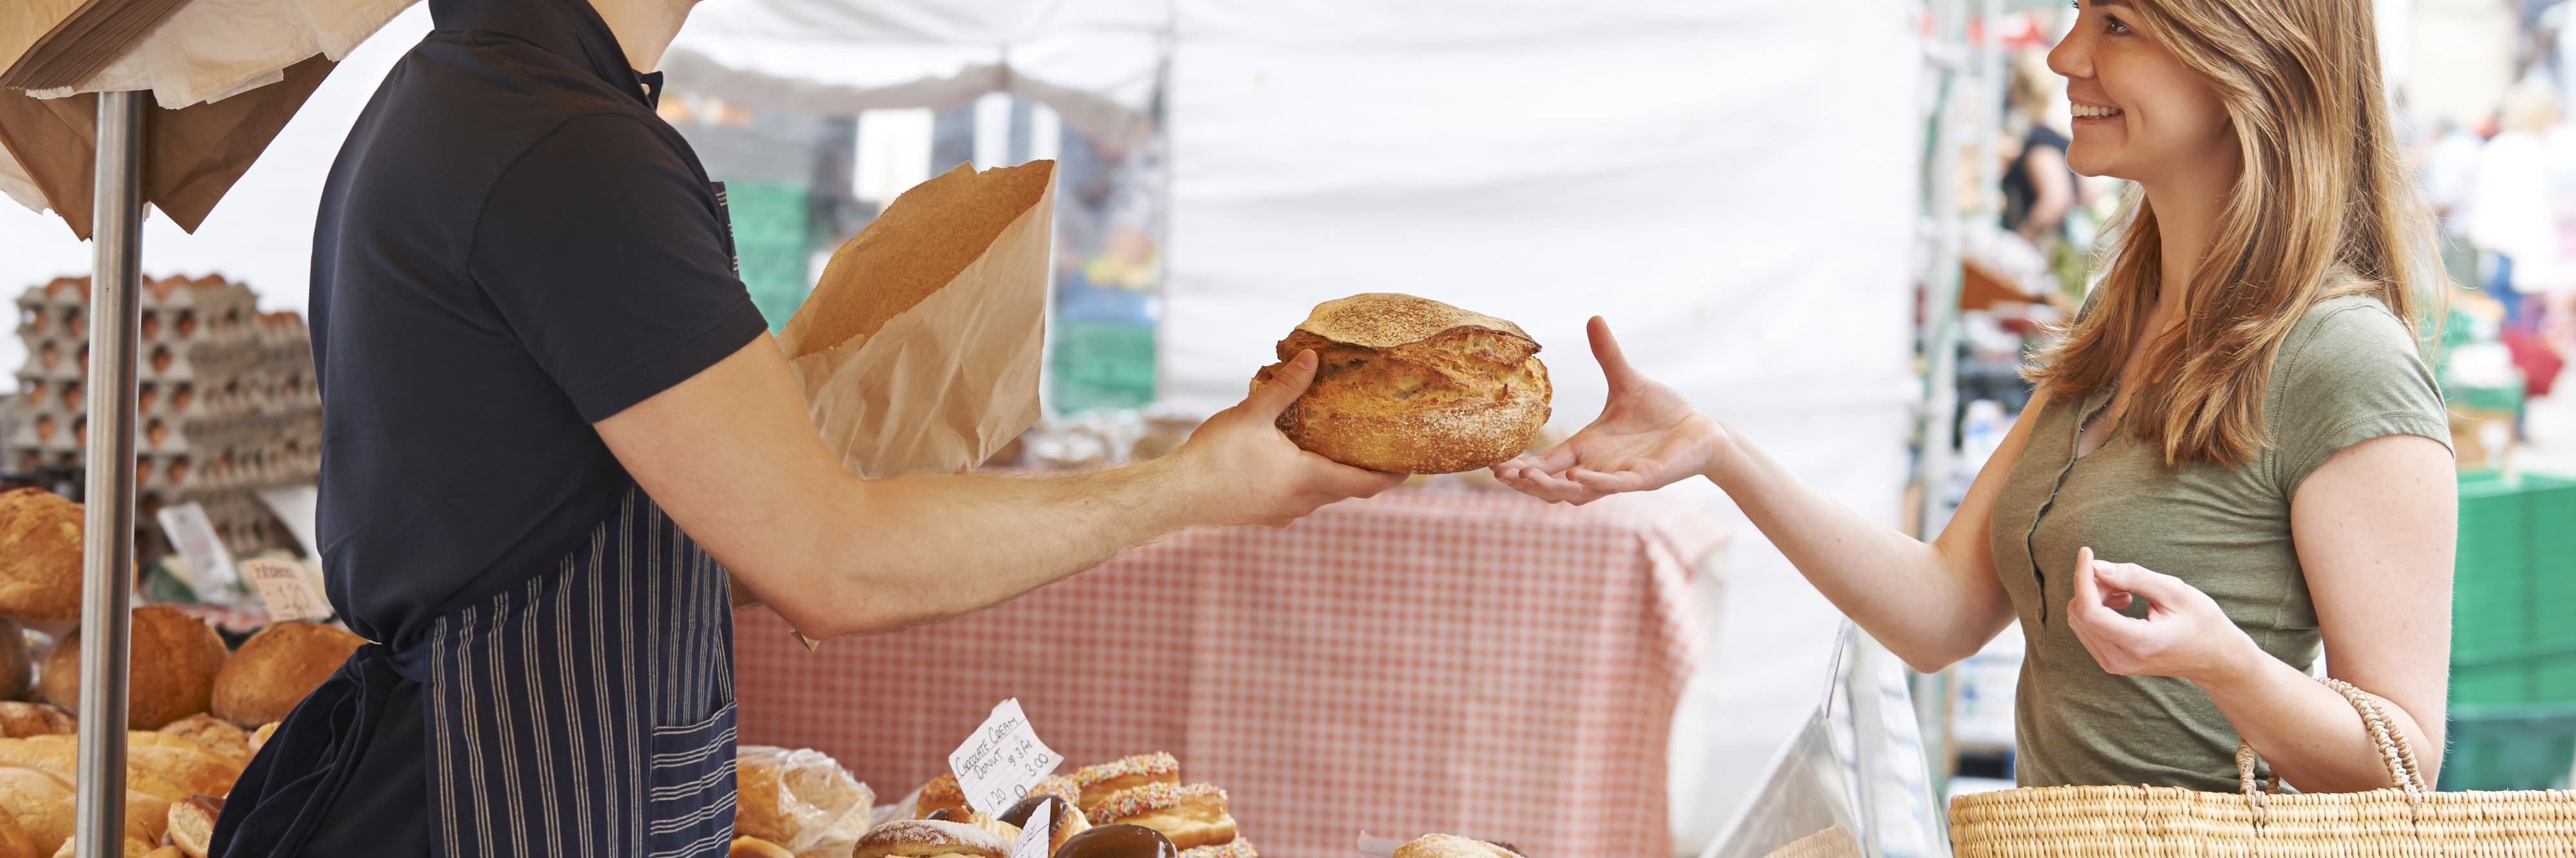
x: 598, y: 254
x: 2354, y: 374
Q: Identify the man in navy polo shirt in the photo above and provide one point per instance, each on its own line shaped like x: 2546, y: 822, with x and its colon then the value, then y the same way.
x: 555, y: 430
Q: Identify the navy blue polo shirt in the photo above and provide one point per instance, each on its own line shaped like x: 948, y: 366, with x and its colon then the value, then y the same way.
x: 511, y: 247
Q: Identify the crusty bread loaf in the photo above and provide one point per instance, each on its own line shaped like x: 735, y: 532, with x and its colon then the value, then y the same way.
x: 20, y: 719
x: 165, y: 767
x: 41, y: 803
x: 174, y: 658
x: 215, y: 735
x: 276, y: 668
x: 14, y: 842
x: 1414, y: 386
x: 40, y: 556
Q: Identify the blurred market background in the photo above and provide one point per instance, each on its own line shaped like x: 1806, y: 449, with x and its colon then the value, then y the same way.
x: 1839, y: 226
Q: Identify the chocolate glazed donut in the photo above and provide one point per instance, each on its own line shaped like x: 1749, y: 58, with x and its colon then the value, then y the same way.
x: 1119, y: 841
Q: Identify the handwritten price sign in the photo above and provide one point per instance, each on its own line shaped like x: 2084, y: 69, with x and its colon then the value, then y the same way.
x: 286, y: 590
x: 1002, y: 760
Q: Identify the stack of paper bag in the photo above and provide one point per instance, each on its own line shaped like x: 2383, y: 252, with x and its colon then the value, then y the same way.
x: 48, y: 44
x: 190, y: 156
x: 920, y: 346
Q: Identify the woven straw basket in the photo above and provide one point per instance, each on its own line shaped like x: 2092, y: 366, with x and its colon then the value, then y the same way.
x: 2406, y: 820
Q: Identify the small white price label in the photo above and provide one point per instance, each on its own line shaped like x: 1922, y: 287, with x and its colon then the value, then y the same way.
x: 1002, y: 760
x: 1033, y: 837
x: 286, y: 590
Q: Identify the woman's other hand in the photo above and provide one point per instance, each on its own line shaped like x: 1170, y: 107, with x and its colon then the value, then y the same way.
x: 1647, y: 437
x: 2184, y: 633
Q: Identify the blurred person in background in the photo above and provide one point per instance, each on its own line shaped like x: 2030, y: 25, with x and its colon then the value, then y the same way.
x: 2038, y: 188
x: 2448, y: 169
x: 2511, y: 218
x: 2237, y: 455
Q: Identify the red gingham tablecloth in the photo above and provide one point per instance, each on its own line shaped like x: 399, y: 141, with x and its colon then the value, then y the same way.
x: 1431, y: 660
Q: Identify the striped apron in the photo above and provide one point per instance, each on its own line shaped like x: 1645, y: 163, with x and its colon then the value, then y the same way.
x: 586, y: 712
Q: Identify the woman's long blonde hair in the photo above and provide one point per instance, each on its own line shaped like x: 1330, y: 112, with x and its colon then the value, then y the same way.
x: 2323, y: 208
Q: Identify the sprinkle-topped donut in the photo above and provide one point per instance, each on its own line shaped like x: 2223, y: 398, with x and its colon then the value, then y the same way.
x: 1098, y: 782
x: 1238, y: 848
x: 1452, y: 846
x: 1192, y: 816
x: 1152, y: 798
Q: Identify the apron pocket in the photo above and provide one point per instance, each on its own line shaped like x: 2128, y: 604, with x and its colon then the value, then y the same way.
x: 691, y: 790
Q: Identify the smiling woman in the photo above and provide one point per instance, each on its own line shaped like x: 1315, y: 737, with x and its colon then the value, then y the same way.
x: 2241, y: 409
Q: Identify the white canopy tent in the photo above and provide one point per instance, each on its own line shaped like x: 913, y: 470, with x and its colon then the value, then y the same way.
x: 1733, y: 184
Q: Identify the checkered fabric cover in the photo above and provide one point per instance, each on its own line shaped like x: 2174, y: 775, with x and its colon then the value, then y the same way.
x: 1432, y: 660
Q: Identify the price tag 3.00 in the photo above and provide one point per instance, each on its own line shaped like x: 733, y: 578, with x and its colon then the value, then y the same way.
x: 1002, y: 760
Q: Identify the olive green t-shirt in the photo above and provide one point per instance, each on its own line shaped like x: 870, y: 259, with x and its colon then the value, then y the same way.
x: 2349, y: 372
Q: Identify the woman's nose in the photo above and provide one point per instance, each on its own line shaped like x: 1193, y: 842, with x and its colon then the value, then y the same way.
x: 2073, y: 56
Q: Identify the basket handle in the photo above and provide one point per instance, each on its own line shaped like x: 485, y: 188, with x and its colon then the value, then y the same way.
x: 2403, y: 771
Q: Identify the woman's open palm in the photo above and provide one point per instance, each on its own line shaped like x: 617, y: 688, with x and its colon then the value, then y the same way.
x: 1647, y: 437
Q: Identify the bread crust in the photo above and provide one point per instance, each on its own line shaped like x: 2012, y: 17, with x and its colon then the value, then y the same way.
x: 40, y: 556
x: 276, y: 668
x: 1413, y: 386
x: 173, y: 662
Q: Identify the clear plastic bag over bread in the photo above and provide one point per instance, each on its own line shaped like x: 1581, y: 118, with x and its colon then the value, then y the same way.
x: 801, y: 800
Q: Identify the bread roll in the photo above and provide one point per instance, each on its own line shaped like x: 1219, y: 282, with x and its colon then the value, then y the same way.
x: 40, y: 556
x: 742, y: 847
x: 214, y: 735
x: 260, y: 736
x: 1452, y: 846
x: 174, y: 658
x: 1413, y: 386
x: 276, y: 668
x: 912, y: 838
x: 20, y: 719
x: 192, y: 823
x: 801, y: 800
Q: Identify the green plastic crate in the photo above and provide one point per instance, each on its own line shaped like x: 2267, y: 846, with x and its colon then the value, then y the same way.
x: 1100, y: 365
x: 2510, y: 747
x: 2513, y: 623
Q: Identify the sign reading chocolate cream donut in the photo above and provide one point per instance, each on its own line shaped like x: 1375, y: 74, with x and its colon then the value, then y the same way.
x: 1002, y: 760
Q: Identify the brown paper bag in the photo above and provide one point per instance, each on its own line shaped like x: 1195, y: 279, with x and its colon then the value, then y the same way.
x: 191, y: 156
x: 921, y: 344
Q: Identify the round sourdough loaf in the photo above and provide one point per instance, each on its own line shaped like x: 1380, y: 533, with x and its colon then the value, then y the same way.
x: 1413, y: 386
x: 276, y: 668
x: 173, y: 658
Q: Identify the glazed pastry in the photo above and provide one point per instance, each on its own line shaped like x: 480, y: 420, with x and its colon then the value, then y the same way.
x: 1118, y: 841
x: 941, y: 793
x: 1099, y: 782
x: 922, y: 838
x: 1192, y: 816
x: 1061, y: 787
x: 1064, y: 821
x: 1239, y: 848
x: 1452, y: 846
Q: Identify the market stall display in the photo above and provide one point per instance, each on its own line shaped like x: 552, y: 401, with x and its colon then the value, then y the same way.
x: 1413, y: 386
x: 1431, y: 659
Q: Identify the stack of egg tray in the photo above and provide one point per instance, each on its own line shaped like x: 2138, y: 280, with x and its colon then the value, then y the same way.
x: 225, y: 403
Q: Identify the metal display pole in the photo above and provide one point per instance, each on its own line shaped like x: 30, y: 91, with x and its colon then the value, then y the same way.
x: 107, y: 550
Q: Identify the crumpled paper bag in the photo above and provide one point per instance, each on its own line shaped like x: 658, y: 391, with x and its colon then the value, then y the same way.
x: 920, y: 346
